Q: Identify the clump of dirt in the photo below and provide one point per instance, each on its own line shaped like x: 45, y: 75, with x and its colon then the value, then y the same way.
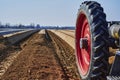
x: 1, y: 37
x: 112, y: 53
x: 2, y: 46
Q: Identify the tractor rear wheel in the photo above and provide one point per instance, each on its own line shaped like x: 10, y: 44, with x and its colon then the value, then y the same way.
x: 91, y: 42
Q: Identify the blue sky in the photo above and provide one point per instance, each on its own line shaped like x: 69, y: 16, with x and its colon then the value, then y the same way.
x: 50, y: 12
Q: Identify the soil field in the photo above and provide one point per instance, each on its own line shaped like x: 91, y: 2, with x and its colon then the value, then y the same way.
x: 41, y: 58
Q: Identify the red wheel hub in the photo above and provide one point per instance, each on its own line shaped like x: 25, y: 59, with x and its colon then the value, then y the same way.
x: 83, y: 43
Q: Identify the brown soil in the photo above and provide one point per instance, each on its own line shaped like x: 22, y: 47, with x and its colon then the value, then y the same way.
x: 66, y: 54
x: 42, y: 59
x: 37, y: 61
x: 6, y: 48
x: 112, y: 55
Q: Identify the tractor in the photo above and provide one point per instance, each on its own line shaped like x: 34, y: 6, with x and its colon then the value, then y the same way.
x: 94, y: 36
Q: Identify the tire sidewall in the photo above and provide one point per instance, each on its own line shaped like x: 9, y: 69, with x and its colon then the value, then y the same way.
x: 84, y: 10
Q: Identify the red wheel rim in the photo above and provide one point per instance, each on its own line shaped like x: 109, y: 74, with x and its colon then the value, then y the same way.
x: 83, y: 55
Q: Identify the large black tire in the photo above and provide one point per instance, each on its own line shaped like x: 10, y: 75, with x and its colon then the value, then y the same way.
x: 98, y: 68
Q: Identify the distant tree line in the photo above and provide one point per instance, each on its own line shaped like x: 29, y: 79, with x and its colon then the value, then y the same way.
x: 33, y: 26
